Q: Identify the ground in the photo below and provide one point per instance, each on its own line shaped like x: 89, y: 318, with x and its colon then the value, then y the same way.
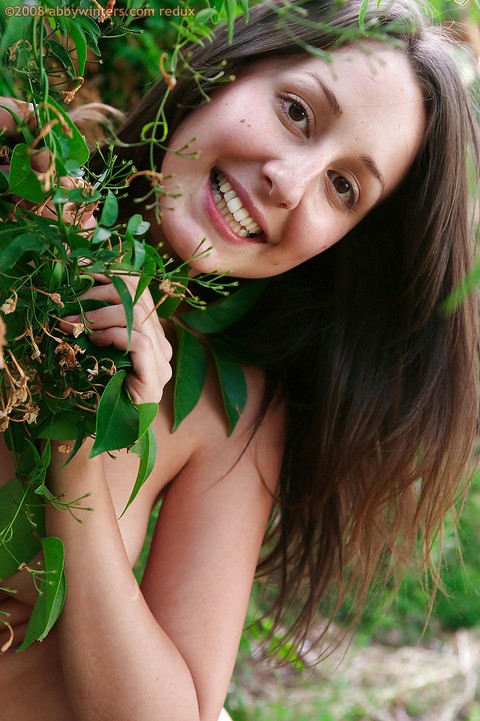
x: 434, y: 682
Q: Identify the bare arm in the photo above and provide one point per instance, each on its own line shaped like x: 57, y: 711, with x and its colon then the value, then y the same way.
x: 118, y: 662
x: 165, y: 653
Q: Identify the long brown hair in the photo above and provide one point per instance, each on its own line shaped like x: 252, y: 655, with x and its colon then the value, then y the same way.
x: 378, y: 380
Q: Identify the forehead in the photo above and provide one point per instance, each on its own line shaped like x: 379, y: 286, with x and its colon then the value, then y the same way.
x: 374, y: 74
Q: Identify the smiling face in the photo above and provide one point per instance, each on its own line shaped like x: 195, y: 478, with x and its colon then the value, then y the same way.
x: 293, y: 154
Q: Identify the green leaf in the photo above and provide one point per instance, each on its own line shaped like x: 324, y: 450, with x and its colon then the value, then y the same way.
x: 190, y: 373
x: 82, y: 432
x: 44, y: 491
x: 117, y: 418
x: 137, y: 226
x: 147, y: 412
x: 127, y: 302
x: 11, y: 253
x: 78, y: 37
x: 63, y: 55
x: 149, y: 269
x: 233, y: 386
x: 245, y: 9
x: 140, y: 254
x: 80, y: 196
x: 74, y: 147
x: 21, y: 524
x: 60, y: 197
x: 363, y: 12
x: 93, y: 31
x: 207, y: 15
x: 100, y: 235
x: 146, y: 449
x: 61, y: 427
x: 110, y: 210
x: 23, y: 181
x: 49, y: 603
x: 223, y: 313
x: 462, y: 291
x: 75, y: 306
x: 14, y: 27
x: 231, y: 8
x: 4, y: 181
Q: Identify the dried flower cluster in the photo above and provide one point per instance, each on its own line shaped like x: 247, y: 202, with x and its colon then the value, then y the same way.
x: 40, y: 367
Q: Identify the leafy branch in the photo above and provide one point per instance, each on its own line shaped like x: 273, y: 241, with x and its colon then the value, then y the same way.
x: 56, y: 385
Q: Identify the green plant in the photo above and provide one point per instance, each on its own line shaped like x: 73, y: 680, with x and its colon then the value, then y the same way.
x: 59, y: 386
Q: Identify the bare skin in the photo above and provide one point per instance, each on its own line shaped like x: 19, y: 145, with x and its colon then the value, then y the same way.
x: 168, y: 651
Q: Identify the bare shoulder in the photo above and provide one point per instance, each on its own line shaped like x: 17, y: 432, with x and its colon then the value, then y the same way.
x: 257, y: 440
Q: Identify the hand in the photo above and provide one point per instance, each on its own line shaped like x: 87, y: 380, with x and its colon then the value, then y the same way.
x: 150, y: 350
x: 43, y: 165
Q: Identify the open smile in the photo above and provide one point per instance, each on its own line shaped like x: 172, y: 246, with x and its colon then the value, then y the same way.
x: 232, y: 208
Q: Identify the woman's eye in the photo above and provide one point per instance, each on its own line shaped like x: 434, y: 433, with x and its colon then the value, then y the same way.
x: 346, y: 191
x: 296, y: 112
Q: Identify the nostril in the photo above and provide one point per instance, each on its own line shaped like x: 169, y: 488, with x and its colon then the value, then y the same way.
x: 269, y: 183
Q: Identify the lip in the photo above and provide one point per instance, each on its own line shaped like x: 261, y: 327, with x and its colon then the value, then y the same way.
x: 221, y: 224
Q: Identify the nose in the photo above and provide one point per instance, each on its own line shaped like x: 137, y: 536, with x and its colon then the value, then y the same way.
x: 286, y: 181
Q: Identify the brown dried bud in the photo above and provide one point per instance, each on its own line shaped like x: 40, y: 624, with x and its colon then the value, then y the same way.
x: 67, y: 355
x: 9, y: 306
x: 31, y: 414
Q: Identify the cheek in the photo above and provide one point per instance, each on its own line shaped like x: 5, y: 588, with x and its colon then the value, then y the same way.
x: 315, y: 233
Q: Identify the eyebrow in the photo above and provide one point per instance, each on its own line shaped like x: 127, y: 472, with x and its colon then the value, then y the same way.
x: 371, y: 165
x: 335, y: 107
x: 337, y: 112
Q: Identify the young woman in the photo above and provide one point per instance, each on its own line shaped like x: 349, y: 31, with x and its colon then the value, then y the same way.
x: 349, y: 176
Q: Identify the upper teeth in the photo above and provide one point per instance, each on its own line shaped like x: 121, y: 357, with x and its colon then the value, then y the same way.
x: 231, y: 207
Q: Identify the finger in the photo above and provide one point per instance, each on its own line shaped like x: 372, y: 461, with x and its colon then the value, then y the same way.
x: 24, y: 110
x: 111, y: 316
x: 159, y: 349
x: 88, y: 221
x: 107, y: 292
x: 150, y: 362
x: 41, y: 160
x: 108, y: 317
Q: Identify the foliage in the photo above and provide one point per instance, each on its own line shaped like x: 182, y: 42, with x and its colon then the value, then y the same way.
x: 56, y: 385
x: 457, y: 602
